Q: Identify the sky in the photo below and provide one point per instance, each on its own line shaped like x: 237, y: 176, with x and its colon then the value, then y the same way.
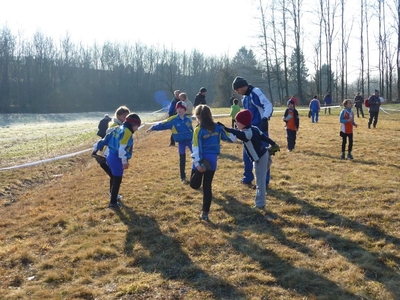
x: 213, y: 27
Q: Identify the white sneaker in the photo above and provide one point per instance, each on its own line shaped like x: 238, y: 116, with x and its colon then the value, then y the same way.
x: 119, y: 197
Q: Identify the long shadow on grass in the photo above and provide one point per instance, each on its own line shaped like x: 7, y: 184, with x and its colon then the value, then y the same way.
x: 356, y: 160
x: 303, y: 281
x: 375, y: 269
x: 168, y: 258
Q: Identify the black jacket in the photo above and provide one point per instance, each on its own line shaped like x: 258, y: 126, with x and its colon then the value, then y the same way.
x: 200, y: 99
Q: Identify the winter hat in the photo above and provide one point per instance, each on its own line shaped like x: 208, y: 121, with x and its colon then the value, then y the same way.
x: 239, y: 82
x: 203, y: 89
x: 133, y: 119
x: 180, y: 104
x: 244, y: 117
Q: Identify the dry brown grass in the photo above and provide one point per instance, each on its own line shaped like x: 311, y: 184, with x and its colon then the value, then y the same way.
x: 336, y: 235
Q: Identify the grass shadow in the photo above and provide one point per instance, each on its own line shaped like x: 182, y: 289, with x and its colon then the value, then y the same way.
x: 168, y: 258
x: 375, y: 270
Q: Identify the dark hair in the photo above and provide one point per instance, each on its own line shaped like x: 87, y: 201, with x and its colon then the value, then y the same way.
x: 236, y: 101
x: 206, y: 119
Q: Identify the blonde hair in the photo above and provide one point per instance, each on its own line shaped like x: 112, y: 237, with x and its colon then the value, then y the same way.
x: 121, y: 110
x: 184, y: 96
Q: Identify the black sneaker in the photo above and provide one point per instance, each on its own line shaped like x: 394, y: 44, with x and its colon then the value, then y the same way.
x: 204, y: 217
x: 114, y: 206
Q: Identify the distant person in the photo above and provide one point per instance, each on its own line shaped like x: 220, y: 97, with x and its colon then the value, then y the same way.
x: 118, y: 119
x: 103, y: 126
x: 200, y: 97
x: 182, y: 132
x: 315, y: 107
x: 374, y: 105
x: 359, y: 101
x: 328, y: 102
x: 235, y: 108
x: 261, y: 110
x: 252, y: 138
x: 172, y: 112
x: 189, y: 105
x: 207, y: 137
x: 346, y: 128
x: 120, y: 151
x: 292, y: 120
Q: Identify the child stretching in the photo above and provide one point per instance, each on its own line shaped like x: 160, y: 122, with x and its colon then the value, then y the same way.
x: 252, y: 138
x: 120, y: 147
x: 206, y: 148
x: 182, y: 133
x: 119, y: 117
x: 346, y: 127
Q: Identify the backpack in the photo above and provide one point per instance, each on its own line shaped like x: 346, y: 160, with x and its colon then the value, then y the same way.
x: 366, y: 102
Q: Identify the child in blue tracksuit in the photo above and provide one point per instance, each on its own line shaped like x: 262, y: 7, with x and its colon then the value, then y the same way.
x: 261, y: 110
x: 315, y: 107
x: 120, y: 146
x: 207, y: 137
x: 253, y: 139
x: 182, y: 133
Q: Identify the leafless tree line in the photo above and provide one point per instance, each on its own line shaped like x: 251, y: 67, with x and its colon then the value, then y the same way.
x: 305, y: 47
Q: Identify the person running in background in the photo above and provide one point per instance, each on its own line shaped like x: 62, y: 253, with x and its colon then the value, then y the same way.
x: 103, y: 126
x: 328, y: 102
x: 346, y: 128
x: 172, y: 112
x: 182, y: 132
x: 292, y: 120
x: 359, y: 101
x: 252, y: 138
x: 261, y: 110
x: 315, y: 107
x: 120, y: 148
x: 374, y: 105
x: 206, y: 148
x: 235, y: 108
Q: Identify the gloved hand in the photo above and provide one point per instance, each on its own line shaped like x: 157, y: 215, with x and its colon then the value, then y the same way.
x: 264, y: 125
x: 272, y: 149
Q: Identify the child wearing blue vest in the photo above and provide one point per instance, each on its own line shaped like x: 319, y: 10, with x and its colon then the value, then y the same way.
x: 120, y: 146
x: 207, y: 137
x: 182, y: 133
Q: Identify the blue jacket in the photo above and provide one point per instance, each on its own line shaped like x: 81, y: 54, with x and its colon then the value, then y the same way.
x: 258, y: 104
x: 182, y: 129
x: 374, y: 103
x: 172, y: 109
x: 205, y: 142
x: 121, y: 142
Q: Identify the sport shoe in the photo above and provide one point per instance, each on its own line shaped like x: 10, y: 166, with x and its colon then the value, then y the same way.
x: 204, y: 217
x: 342, y: 156
x: 255, y: 207
x: 184, y: 181
x: 249, y: 185
x: 349, y: 156
x: 114, y: 206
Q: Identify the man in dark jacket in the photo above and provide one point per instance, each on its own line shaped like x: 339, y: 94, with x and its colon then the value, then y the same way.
x: 200, y: 97
x: 374, y: 105
x: 103, y: 126
x: 359, y: 101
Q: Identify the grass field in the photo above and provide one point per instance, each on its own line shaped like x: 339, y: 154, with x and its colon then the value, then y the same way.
x: 336, y: 235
